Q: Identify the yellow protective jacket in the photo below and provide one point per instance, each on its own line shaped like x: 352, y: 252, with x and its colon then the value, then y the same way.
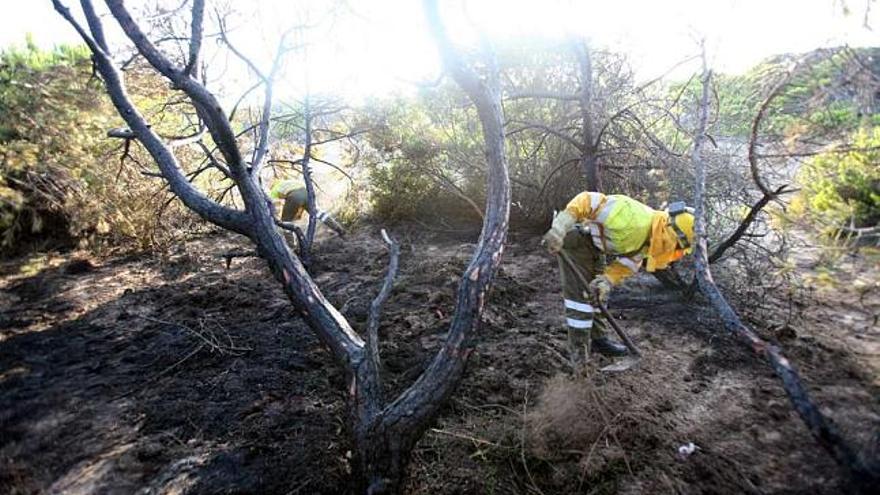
x: 628, y: 230
x: 281, y: 188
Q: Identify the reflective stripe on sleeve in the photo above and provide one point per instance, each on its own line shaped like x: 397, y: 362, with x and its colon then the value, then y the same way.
x: 578, y: 306
x: 603, y: 215
x: 595, y: 199
x: 596, y: 233
x: 630, y: 263
x: 574, y: 323
x: 322, y: 215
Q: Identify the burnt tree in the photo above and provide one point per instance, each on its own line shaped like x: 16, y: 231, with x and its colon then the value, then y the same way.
x: 864, y: 474
x: 383, y: 432
x: 591, y: 116
x: 584, y: 140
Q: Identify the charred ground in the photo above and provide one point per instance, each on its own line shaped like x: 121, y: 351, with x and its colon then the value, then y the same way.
x: 150, y: 374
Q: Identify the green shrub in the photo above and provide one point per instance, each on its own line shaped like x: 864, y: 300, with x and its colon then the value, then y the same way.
x: 399, y: 191
x: 61, y: 178
x: 844, y: 188
x: 423, y: 156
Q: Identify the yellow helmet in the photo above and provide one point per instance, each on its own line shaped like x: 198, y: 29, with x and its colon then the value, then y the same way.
x: 685, y: 223
x: 681, y: 219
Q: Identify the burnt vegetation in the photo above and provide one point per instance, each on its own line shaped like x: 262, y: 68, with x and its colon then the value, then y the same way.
x: 158, y: 334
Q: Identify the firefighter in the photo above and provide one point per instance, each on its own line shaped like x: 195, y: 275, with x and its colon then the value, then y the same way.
x: 295, y: 197
x: 610, y: 237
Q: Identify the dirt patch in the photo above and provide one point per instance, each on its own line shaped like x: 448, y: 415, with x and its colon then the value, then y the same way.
x: 176, y: 375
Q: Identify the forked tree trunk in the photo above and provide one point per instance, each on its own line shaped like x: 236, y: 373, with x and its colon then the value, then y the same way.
x: 383, y: 433
x: 385, y: 436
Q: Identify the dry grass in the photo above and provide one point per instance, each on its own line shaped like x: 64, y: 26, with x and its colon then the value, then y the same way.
x: 565, y: 418
x: 601, y: 425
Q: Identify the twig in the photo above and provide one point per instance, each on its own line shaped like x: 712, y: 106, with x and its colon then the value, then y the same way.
x: 209, y: 339
x: 522, y: 446
x: 159, y: 375
x: 379, y: 301
x: 590, y: 452
x: 603, y: 411
x: 229, y: 256
x: 181, y: 361
x: 291, y: 227
x: 740, y: 231
x: 478, y: 441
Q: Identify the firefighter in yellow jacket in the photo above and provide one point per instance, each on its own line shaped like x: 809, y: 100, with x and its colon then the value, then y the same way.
x: 295, y: 197
x: 595, y: 227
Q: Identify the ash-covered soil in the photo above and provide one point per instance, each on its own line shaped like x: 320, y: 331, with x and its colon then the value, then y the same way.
x: 176, y: 375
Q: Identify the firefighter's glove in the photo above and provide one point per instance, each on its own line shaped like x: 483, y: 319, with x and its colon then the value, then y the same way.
x: 554, y: 237
x: 600, y: 288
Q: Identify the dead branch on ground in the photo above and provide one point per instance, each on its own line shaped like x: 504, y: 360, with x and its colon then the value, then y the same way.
x: 862, y: 473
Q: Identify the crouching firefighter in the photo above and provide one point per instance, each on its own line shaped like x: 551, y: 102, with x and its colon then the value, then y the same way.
x: 609, y: 238
x: 296, y: 199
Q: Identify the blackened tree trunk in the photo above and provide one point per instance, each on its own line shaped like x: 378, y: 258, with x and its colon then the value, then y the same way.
x: 311, y: 202
x: 383, y: 433
x: 385, y: 437
x: 589, y: 153
x: 583, y: 135
x: 864, y: 474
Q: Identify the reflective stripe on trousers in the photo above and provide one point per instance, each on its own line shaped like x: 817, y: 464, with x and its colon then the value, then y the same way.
x: 578, y: 314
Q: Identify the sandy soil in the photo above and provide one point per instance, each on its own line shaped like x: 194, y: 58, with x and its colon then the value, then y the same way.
x: 176, y: 375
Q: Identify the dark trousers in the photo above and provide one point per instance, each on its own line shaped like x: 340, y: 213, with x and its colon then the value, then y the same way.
x: 580, y: 315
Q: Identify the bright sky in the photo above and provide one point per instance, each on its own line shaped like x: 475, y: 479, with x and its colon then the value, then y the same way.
x: 377, y: 46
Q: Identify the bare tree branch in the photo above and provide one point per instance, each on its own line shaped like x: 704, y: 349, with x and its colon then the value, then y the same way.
x: 163, y: 14
x: 241, y: 99
x: 257, y: 221
x: 224, y: 37
x: 451, y: 186
x: 95, y: 25
x: 209, y: 155
x: 375, y: 315
x: 719, y: 250
x: 826, y: 151
x: 178, y: 141
x: 339, y: 136
x: 262, y: 148
x: 767, y: 194
x: 195, y: 43
x: 335, y: 167
x: 305, y: 165
x: 420, y: 402
x: 384, y: 434
x: 548, y: 95
x: 537, y: 125
x: 226, y: 217
x: 864, y: 475
x: 206, y: 103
